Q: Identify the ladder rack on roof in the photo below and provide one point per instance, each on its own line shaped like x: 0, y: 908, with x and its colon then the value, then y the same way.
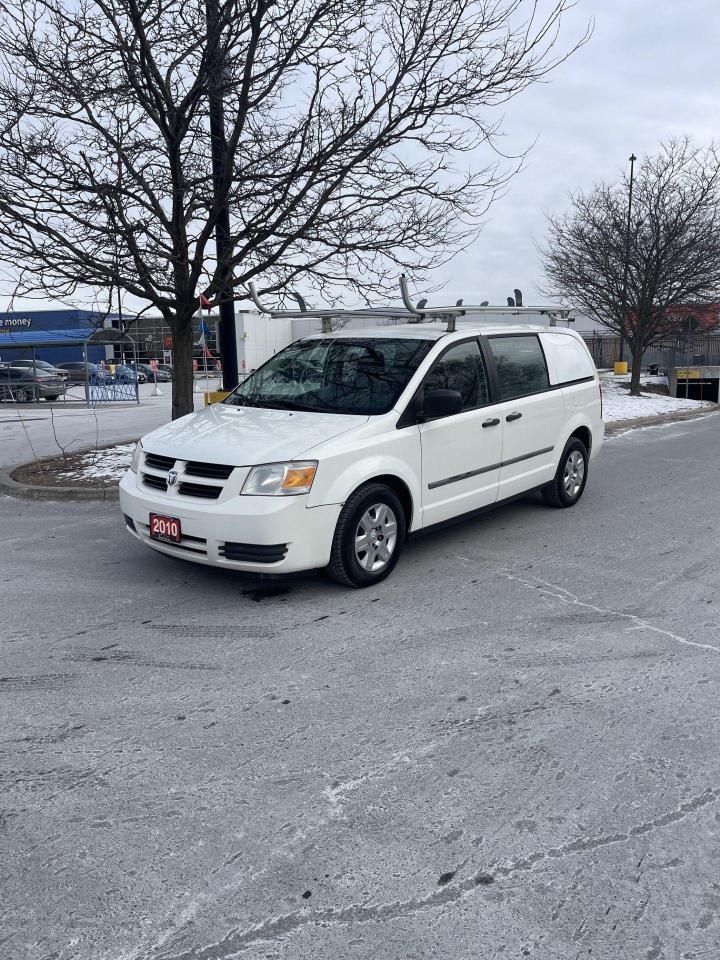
x: 414, y: 314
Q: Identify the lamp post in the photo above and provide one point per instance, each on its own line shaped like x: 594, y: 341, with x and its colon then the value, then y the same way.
x: 218, y: 145
x: 626, y: 267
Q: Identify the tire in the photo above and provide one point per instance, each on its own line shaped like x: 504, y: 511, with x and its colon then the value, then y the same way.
x: 53, y: 398
x: 23, y: 395
x: 376, y: 507
x: 571, y: 476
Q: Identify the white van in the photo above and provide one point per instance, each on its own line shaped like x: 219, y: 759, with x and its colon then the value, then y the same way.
x: 342, y: 445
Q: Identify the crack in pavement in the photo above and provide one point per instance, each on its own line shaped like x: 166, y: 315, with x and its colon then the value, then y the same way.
x: 569, y: 599
x: 237, y: 941
x: 584, y: 844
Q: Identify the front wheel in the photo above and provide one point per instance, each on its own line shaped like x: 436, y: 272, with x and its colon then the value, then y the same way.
x: 369, y: 536
x: 569, y: 483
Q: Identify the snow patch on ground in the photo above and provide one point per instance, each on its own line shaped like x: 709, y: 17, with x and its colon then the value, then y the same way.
x: 619, y: 405
x: 105, y: 465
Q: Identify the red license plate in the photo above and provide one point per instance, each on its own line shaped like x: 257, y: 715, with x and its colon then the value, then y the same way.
x: 165, y: 528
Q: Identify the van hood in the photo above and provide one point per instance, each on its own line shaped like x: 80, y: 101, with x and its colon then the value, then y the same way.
x: 244, y: 436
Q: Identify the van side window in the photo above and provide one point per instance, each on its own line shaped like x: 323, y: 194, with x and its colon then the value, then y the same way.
x: 520, y: 365
x: 461, y: 369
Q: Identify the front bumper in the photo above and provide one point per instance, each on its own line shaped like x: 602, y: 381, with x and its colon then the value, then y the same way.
x: 306, y: 532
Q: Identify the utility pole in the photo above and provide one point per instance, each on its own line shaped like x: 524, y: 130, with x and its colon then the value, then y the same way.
x: 626, y: 267
x: 215, y: 73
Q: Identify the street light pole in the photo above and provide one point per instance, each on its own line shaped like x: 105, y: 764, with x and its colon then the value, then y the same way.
x: 218, y: 144
x: 626, y: 267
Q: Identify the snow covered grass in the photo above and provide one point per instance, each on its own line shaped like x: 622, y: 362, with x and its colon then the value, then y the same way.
x: 103, y: 466
x: 619, y: 405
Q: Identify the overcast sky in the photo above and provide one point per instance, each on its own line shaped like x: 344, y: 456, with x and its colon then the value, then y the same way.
x: 649, y: 71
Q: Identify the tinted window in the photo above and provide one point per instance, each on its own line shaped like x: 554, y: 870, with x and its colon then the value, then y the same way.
x: 334, y: 375
x: 461, y: 369
x: 520, y: 365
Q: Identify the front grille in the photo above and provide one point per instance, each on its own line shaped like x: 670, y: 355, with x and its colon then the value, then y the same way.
x: 253, y: 552
x: 202, y: 490
x: 156, y: 462
x: 150, y: 480
x: 213, y: 471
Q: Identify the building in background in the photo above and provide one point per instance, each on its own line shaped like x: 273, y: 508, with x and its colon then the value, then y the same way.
x: 36, y: 321
x: 150, y: 333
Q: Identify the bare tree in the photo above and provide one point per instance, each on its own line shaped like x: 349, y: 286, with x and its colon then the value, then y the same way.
x: 345, y: 121
x: 674, y: 248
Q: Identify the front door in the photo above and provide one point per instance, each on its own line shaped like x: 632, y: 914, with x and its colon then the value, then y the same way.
x: 461, y: 454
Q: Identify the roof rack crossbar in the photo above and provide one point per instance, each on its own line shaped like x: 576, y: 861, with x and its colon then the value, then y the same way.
x: 414, y: 314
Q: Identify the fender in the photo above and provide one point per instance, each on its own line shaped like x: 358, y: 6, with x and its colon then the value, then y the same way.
x: 579, y: 419
x: 338, y: 476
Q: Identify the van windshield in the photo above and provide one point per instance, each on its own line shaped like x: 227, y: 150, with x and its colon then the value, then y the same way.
x: 334, y: 375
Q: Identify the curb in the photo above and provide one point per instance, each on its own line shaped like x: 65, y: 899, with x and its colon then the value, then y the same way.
x: 30, y: 491
x: 620, y: 426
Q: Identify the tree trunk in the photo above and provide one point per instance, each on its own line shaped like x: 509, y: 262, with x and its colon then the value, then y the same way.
x: 183, y: 381
x: 637, y: 355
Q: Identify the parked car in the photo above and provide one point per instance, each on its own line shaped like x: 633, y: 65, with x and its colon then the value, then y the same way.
x: 42, y: 365
x: 127, y: 374
x: 22, y: 385
x: 147, y: 371
x: 343, y: 444
x: 77, y: 372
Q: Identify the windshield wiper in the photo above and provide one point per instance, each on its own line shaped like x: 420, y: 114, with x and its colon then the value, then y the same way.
x: 277, y: 405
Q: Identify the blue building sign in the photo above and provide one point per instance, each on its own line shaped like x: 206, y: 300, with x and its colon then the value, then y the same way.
x: 39, y: 321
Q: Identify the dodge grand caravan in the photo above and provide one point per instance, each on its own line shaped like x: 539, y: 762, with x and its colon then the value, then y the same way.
x: 342, y: 445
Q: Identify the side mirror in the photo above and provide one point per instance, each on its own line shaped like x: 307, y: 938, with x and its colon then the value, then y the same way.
x: 440, y: 403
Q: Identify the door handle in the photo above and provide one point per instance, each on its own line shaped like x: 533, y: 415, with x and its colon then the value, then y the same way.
x: 513, y: 416
x: 490, y: 423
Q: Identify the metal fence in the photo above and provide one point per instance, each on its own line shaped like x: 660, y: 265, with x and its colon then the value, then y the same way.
x: 673, y: 351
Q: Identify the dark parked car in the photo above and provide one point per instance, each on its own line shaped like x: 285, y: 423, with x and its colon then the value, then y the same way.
x: 21, y: 385
x: 42, y: 365
x: 76, y: 370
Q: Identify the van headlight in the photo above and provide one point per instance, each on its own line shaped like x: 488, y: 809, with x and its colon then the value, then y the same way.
x: 280, y: 479
x: 135, y: 462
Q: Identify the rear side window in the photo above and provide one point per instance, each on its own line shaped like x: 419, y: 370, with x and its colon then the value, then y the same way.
x: 520, y: 365
x: 461, y: 369
x: 570, y: 357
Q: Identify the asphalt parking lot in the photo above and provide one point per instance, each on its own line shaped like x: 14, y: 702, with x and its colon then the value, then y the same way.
x: 509, y: 749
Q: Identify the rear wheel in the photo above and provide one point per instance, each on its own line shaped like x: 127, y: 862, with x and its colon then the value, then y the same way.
x: 369, y: 536
x: 23, y: 395
x: 571, y: 476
